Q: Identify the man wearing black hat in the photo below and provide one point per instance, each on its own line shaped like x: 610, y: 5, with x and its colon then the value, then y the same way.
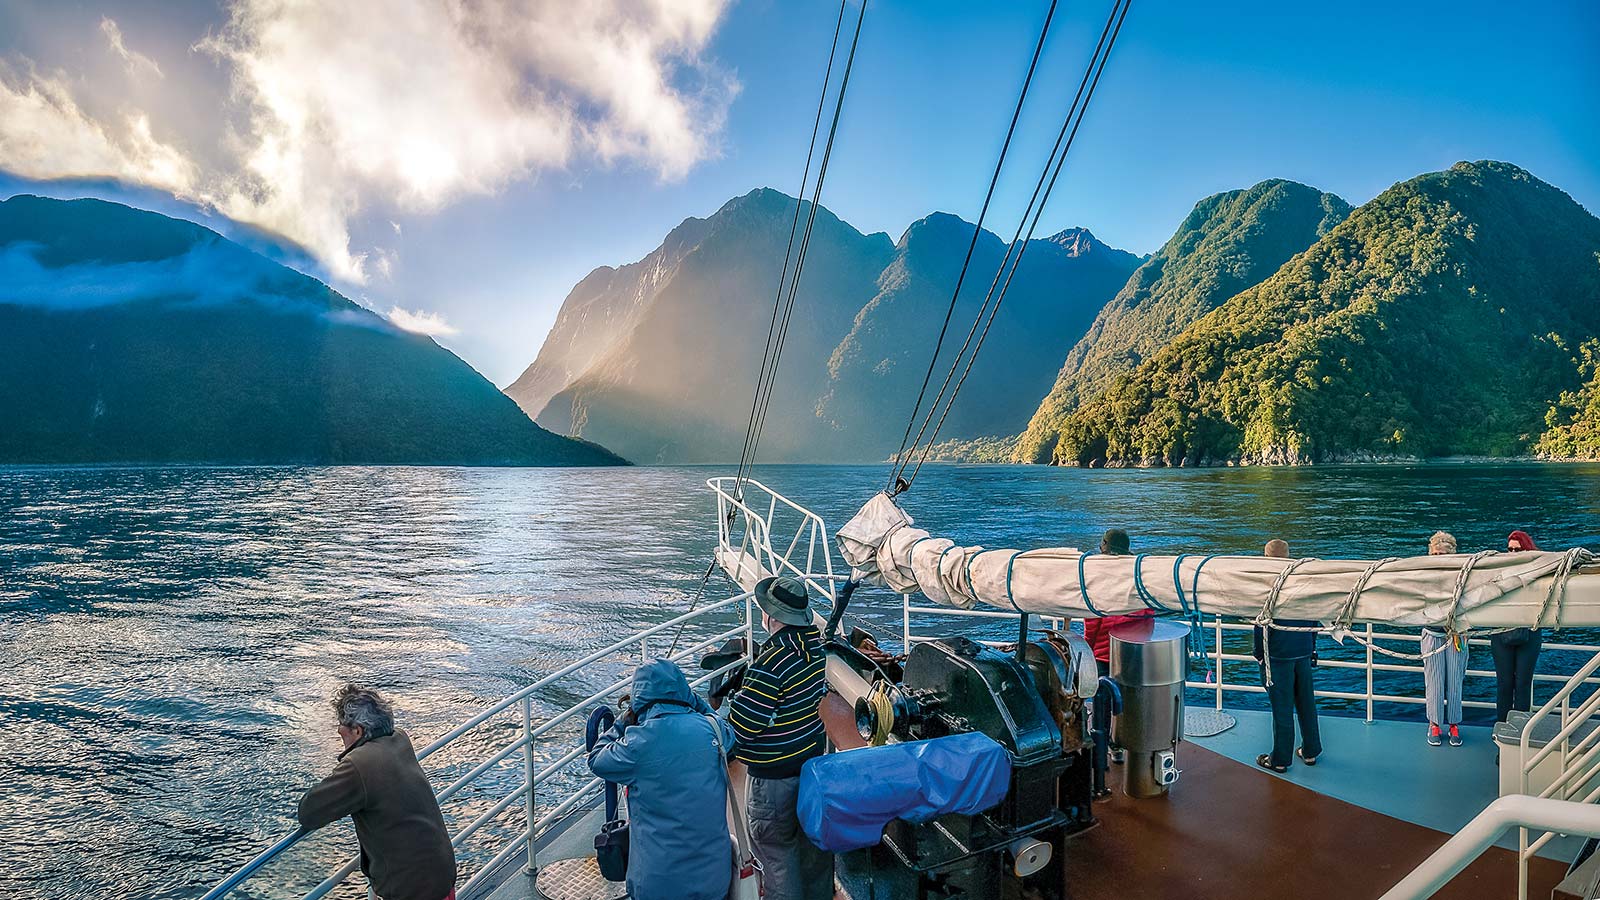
x: 778, y: 726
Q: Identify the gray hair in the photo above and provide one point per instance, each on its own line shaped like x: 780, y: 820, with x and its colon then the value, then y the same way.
x: 364, y: 708
x: 1443, y: 543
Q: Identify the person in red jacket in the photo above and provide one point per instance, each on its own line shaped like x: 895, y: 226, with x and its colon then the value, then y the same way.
x: 1098, y: 631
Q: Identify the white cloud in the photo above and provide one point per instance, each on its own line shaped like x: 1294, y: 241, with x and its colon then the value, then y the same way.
x: 420, y: 321
x: 345, y: 106
x: 44, y: 134
x: 138, y: 63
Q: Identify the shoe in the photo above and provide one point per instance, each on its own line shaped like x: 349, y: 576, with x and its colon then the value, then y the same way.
x: 1434, y: 739
x: 1119, y: 755
x: 1455, y: 736
x: 1308, y: 760
x: 1265, y: 762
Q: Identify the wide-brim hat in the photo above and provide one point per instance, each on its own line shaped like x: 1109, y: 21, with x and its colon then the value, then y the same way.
x: 785, y: 599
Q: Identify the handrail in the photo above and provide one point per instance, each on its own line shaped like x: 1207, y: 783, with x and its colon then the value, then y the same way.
x: 758, y: 533
x: 1512, y: 811
x: 242, y: 874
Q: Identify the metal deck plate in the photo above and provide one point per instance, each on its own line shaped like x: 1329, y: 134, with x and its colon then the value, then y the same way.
x: 1206, y: 722
x: 577, y: 879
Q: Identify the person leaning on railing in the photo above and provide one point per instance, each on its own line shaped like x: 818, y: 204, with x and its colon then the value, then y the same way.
x: 1444, y: 671
x: 405, y: 848
x: 1515, y: 652
x: 1287, y: 659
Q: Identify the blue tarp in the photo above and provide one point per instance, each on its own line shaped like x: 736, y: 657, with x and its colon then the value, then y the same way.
x: 847, y: 798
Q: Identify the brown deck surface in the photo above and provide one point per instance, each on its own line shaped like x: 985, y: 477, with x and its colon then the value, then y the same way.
x: 1229, y: 831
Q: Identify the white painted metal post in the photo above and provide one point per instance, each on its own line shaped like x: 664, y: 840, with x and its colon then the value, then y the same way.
x: 1216, y: 654
x: 527, y: 770
x: 1369, y: 673
x: 905, y: 617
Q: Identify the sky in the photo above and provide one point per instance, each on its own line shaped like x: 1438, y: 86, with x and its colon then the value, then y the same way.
x: 459, y: 165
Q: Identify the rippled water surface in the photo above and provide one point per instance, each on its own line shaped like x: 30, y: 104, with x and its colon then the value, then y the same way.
x: 167, y: 635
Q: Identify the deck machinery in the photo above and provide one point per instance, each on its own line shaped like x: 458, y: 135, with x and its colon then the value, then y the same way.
x: 1032, y: 703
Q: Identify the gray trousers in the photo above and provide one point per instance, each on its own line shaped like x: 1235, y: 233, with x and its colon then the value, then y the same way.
x: 1442, y: 676
x: 792, y: 868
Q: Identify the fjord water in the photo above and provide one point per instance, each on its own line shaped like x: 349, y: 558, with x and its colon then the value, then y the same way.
x: 168, y: 635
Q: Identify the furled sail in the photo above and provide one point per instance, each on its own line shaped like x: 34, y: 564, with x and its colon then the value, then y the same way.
x: 1462, y: 591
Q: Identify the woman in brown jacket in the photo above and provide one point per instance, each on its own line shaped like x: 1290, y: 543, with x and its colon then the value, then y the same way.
x: 405, y: 849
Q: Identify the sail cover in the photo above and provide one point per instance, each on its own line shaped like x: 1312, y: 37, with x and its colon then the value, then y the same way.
x: 1484, y: 590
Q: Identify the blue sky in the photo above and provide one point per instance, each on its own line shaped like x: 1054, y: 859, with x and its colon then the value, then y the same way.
x: 1198, y: 98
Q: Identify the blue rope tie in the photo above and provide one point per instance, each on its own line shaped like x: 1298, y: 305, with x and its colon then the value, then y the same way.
x: 1083, y: 586
x: 1145, y: 596
x: 1177, y: 582
x: 1010, y: 566
x: 1194, y: 598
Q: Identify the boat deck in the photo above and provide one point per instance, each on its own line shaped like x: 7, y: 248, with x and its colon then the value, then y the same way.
x: 1378, y: 803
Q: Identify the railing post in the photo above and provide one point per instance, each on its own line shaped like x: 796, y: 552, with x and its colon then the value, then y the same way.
x: 1369, y: 673
x: 1216, y: 656
x: 527, y: 767
x: 905, y: 619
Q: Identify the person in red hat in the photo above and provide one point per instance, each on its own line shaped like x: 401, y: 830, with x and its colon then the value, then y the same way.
x: 1515, y: 652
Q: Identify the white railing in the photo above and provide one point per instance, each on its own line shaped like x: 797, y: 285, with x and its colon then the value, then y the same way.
x: 1217, y: 654
x: 749, y: 514
x: 1578, y: 762
x: 1371, y: 664
x: 525, y: 793
x: 1466, y: 845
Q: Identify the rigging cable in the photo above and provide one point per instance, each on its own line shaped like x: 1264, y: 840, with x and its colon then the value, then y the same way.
x: 805, y: 241
x: 745, y: 457
x: 895, y: 461
x: 1075, y: 115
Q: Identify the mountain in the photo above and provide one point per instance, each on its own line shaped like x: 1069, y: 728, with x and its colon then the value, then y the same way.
x: 675, y: 378
x: 599, y: 312
x: 128, y: 336
x: 875, y: 372
x: 658, y: 359
x: 1455, y: 313
x: 1228, y: 242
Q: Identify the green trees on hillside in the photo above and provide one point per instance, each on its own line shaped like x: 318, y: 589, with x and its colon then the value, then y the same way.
x: 1229, y: 242
x: 1435, y: 320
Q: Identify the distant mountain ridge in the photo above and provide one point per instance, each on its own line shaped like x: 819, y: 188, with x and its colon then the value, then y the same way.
x: 130, y: 337
x: 674, y: 380
x: 1456, y: 313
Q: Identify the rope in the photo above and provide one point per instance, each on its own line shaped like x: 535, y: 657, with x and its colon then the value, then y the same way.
x: 1075, y: 115
x: 1010, y: 566
x: 1558, y: 584
x: 1347, y: 613
x: 1083, y: 584
x: 805, y: 240
x: 1145, y: 597
x: 746, y: 456
x: 704, y: 579
x: 896, y: 465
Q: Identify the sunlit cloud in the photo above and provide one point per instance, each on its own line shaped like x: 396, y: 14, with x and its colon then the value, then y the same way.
x: 138, y: 63
x: 421, y: 322
x: 338, y: 108
x: 45, y: 134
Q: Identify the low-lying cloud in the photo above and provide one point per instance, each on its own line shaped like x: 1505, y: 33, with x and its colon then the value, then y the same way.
x: 421, y: 322
x: 208, y: 273
x: 343, y: 107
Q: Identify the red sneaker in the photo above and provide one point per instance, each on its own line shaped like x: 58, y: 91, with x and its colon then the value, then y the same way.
x: 1434, y: 738
x: 1455, y: 736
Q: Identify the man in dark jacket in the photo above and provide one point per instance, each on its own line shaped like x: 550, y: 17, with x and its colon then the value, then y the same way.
x: 678, y: 844
x: 1287, y: 659
x: 405, y: 849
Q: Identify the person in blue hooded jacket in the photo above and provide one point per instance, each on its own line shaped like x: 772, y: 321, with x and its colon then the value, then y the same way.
x: 666, y: 755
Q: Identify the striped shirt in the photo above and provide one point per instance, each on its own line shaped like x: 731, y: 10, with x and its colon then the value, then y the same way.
x: 775, y: 715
